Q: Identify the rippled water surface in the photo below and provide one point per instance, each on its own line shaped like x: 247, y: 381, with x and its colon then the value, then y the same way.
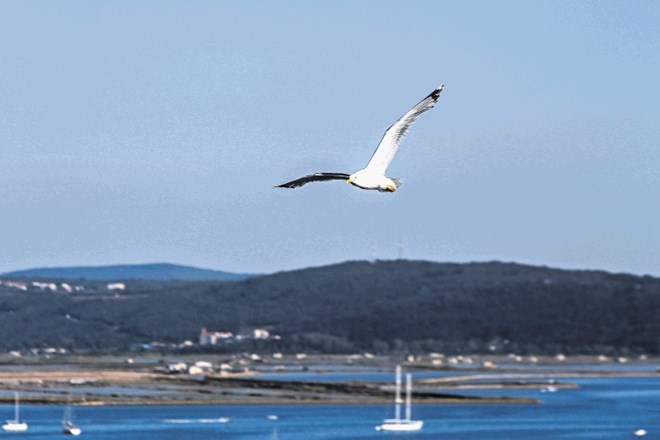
x: 601, y: 408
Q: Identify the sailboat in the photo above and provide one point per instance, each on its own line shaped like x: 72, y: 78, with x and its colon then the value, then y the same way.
x: 15, y: 425
x: 397, y: 423
x: 68, y: 427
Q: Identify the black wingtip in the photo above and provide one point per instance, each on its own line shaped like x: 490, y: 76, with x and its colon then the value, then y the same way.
x: 436, y: 93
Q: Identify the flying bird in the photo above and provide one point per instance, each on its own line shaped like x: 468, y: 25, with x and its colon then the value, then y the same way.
x: 373, y: 175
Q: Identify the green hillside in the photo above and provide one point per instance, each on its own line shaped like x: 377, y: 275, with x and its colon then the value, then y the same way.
x: 384, y: 306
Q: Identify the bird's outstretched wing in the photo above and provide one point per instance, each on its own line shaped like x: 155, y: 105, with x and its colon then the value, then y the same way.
x: 390, y: 142
x: 316, y: 177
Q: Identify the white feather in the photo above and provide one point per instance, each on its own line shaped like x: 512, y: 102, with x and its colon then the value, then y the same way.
x: 389, y: 144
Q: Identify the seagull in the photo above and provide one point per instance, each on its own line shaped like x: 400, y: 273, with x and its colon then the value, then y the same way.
x: 373, y: 175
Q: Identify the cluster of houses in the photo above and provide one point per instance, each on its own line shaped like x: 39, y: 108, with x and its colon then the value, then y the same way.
x: 41, y: 286
x: 207, y: 337
x: 240, y: 364
x: 199, y: 368
x: 49, y: 351
x: 210, y: 338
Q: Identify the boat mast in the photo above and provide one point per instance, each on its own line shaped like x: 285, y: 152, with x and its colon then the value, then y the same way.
x: 408, y: 395
x: 16, y: 407
x: 397, y: 397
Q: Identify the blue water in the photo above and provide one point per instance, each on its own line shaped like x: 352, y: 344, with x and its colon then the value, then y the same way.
x: 601, y: 408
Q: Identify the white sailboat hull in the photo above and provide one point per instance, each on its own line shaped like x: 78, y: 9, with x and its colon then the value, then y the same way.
x: 13, y: 426
x: 401, y: 425
x: 72, y: 431
x: 68, y: 426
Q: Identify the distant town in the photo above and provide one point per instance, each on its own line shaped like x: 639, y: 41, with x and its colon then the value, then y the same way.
x: 207, y: 337
x: 40, y: 286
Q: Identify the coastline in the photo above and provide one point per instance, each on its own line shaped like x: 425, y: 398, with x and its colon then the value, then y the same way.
x: 107, y: 380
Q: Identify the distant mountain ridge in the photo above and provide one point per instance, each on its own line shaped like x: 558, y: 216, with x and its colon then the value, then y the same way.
x: 154, y: 271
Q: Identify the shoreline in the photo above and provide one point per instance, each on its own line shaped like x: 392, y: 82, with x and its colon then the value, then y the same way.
x: 111, y: 381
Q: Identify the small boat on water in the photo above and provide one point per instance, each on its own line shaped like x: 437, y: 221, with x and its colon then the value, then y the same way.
x: 397, y: 423
x: 15, y: 425
x: 68, y: 426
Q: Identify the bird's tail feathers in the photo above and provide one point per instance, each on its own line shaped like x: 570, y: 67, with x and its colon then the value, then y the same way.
x: 397, y: 182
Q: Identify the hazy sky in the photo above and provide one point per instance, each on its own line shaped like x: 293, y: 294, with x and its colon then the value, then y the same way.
x: 135, y: 132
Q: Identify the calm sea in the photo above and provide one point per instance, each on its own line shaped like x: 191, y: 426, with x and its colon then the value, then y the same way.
x: 601, y: 408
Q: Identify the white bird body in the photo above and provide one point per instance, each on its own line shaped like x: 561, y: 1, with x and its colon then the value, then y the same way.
x: 373, y: 175
x: 370, y: 179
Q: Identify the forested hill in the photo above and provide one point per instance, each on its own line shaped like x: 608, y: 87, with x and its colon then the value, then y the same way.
x: 382, y: 306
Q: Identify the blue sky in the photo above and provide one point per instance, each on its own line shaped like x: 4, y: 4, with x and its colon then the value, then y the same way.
x: 145, y: 131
